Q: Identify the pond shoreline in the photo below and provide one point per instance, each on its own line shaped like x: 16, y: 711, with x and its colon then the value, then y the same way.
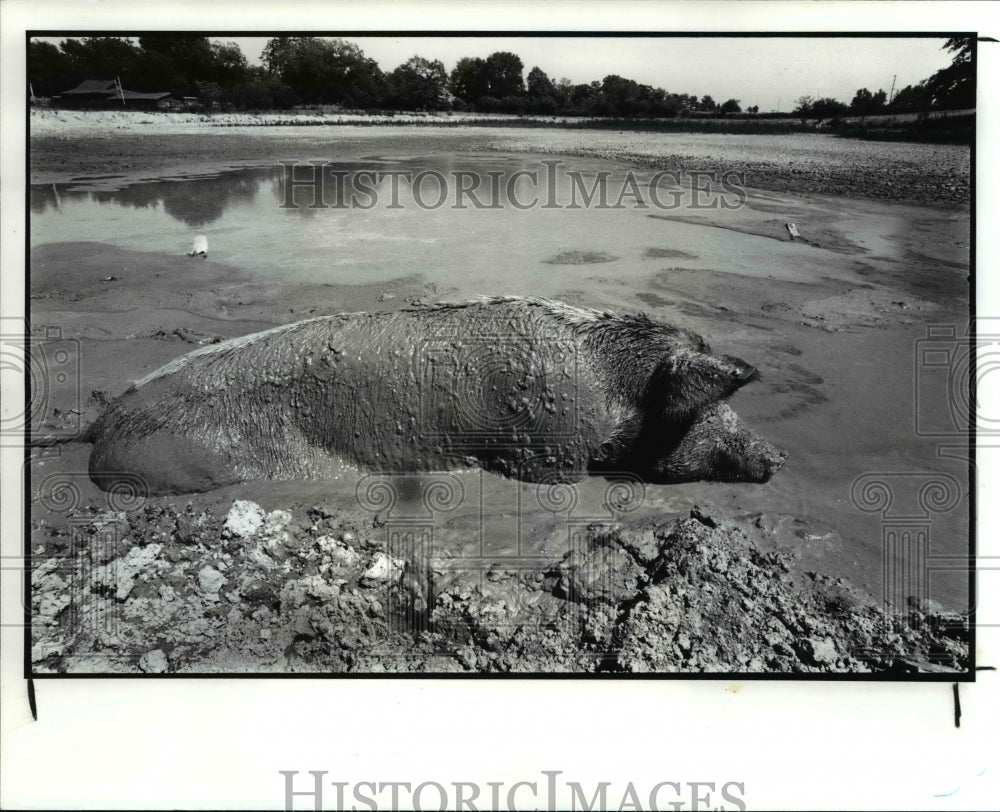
x: 63, y: 147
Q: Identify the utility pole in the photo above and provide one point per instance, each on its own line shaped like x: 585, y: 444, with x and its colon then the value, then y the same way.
x: 118, y: 82
x: 892, y: 89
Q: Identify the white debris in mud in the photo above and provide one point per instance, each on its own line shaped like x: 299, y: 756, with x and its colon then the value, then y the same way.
x: 153, y: 662
x: 339, y: 553
x: 245, y: 518
x: 210, y: 580
x: 46, y: 648
x: 382, y: 569
x: 276, y: 521
x: 50, y: 593
x: 699, y: 596
x: 822, y: 651
x: 121, y: 574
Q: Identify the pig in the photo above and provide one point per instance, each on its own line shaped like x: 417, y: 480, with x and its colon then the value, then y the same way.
x: 528, y: 388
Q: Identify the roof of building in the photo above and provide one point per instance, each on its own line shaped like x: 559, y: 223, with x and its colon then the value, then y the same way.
x: 93, y: 86
x: 109, y: 89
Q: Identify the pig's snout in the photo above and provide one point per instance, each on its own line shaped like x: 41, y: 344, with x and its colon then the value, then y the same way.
x: 763, y: 461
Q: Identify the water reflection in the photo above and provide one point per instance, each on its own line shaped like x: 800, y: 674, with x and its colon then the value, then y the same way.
x: 458, y: 182
x: 196, y: 202
x: 455, y: 182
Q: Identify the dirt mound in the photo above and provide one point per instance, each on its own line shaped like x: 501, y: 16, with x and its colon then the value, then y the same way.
x: 160, y: 590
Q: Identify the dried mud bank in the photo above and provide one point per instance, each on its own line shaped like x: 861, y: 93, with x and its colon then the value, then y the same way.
x: 168, y: 590
x: 901, y: 173
x: 65, y: 145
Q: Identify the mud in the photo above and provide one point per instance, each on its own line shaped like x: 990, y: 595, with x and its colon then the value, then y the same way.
x: 160, y: 590
x: 820, y: 317
x: 581, y: 258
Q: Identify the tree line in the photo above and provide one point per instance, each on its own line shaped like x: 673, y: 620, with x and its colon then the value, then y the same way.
x: 319, y: 71
x: 953, y: 87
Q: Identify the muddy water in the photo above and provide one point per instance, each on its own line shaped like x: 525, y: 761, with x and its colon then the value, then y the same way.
x: 836, y: 322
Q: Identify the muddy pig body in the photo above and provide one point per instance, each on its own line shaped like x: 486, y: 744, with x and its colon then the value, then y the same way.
x: 528, y: 388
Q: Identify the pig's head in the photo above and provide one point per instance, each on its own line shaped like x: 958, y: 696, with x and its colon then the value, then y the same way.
x: 689, y: 432
x: 716, y: 446
x: 676, y: 425
x: 685, y: 432
x: 687, y: 381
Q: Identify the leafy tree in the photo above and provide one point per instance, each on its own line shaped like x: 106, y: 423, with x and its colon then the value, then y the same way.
x: 513, y: 104
x: 419, y: 84
x: 324, y: 70
x: 49, y: 69
x: 827, y: 108
x: 730, y: 106
x: 803, y: 107
x: 100, y: 57
x: 807, y: 107
x: 626, y: 97
x: 229, y: 65
x: 488, y: 104
x: 469, y: 80
x: 175, y: 62
x: 562, y: 95
x: 539, y: 84
x: 707, y: 104
x: 259, y: 92
x: 955, y: 86
x: 582, y: 97
x: 865, y: 102
x: 504, y: 71
x: 543, y: 105
x: 961, y: 47
x: 862, y: 101
x: 911, y: 97
x: 619, y: 96
x: 188, y: 55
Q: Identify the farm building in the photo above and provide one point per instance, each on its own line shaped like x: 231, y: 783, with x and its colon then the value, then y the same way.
x: 105, y: 93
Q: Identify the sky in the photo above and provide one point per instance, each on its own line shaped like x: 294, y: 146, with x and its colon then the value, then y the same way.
x: 769, y: 72
x: 762, y: 71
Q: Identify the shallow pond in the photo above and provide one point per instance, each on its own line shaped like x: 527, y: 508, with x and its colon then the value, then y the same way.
x: 840, y: 400
x: 348, y: 223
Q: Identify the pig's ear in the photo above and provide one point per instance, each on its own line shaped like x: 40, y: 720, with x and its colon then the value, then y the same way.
x: 685, y: 383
